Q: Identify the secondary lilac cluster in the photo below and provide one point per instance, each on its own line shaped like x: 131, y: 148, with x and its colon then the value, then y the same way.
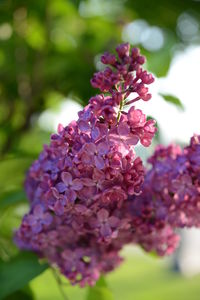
x: 171, y: 195
x: 81, y: 187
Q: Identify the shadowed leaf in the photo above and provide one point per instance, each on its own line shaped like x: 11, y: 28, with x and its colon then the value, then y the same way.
x: 16, y: 273
x: 12, y: 198
x: 22, y: 294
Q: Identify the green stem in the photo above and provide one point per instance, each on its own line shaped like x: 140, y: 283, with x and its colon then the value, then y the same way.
x: 60, y: 284
x: 120, y: 109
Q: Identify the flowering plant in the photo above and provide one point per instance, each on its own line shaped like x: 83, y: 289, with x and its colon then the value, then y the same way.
x: 89, y: 192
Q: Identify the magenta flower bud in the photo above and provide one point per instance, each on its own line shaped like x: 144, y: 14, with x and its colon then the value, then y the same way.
x: 108, y: 59
x: 135, y: 52
x: 141, y: 59
x: 123, y: 50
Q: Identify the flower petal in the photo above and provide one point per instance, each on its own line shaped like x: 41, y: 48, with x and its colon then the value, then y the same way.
x: 102, y: 215
x: 66, y: 178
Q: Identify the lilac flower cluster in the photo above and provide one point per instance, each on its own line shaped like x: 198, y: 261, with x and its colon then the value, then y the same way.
x: 170, y: 197
x: 82, y: 186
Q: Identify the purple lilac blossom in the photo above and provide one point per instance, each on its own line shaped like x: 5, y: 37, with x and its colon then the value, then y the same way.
x: 170, y: 198
x: 82, y: 187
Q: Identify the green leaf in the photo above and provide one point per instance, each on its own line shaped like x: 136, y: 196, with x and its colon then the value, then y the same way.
x: 153, y: 254
x: 159, y: 62
x: 172, y: 99
x: 22, y: 294
x: 12, y: 173
x: 12, y: 198
x: 35, y: 35
x: 16, y: 273
x: 100, y: 291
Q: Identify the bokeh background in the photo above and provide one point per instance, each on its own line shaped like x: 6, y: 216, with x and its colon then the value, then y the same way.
x: 49, y: 50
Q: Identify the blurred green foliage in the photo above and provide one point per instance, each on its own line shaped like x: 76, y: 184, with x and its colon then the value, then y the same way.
x: 140, y: 277
x: 22, y: 294
x: 100, y: 291
x: 49, y: 50
x: 16, y: 273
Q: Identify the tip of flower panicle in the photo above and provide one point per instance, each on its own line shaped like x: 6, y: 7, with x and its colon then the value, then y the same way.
x: 123, y: 50
x: 123, y: 69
